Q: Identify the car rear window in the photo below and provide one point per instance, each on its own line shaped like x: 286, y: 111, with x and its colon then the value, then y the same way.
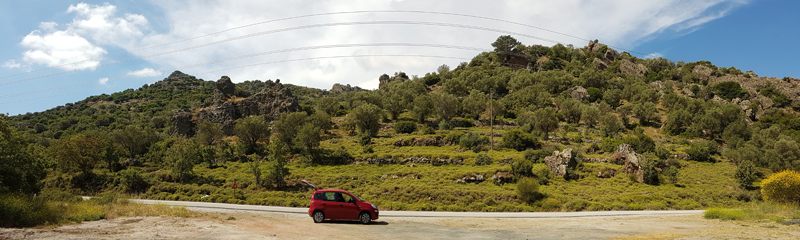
x: 325, y: 196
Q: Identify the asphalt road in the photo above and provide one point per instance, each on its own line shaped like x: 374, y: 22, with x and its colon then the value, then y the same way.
x: 389, y: 214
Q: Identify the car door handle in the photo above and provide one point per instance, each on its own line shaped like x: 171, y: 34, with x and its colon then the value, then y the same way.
x: 323, y: 203
x: 340, y: 204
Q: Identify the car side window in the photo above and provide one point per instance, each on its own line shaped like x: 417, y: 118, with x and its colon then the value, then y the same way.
x: 347, y: 198
x: 319, y: 196
x: 330, y: 196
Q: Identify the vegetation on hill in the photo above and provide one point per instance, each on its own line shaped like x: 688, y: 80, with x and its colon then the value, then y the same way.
x: 470, y: 138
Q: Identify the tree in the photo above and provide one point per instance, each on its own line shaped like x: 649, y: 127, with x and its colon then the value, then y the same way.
x: 571, y: 109
x: 646, y: 112
x: 528, y: 98
x: 209, y: 133
x: 545, y: 120
x: 365, y: 118
x: 613, y: 97
x: 423, y: 107
x: 528, y: 189
x: 505, y: 45
x: 445, y: 105
x: 250, y: 131
x: 745, y: 173
x: 590, y: 115
x: 182, y: 157
x: 308, y: 137
x: 328, y: 105
x: 134, y: 139
x: 285, y: 128
x: 276, y: 171
x: 518, y: 140
x: 20, y: 170
x: 79, y: 153
x: 474, y: 104
x: 610, y: 125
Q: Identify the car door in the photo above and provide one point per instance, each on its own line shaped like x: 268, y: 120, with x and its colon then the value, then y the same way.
x: 331, y: 205
x: 349, y: 209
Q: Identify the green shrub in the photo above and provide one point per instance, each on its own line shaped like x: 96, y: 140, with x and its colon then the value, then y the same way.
x: 782, y: 187
x: 522, y: 168
x: 745, y: 173
x: 729, y: 90
x: 483, y: 159
x: 542, y: 174
x: 724, y: 214
x: 427, y: 130
x: 132, y: 181
x: 445, y: 125
x: 453, y: 137
x: 610, y: 144
x: 472, y: 140
x: 518, y: 140
x: 700, y: 152
x: 528, y: 190
x: 27, y: 211
x: 405, y: 127
x: 551, y: 204
x: 640, y: 143
x: 537, y: 156
x: 576, y: 205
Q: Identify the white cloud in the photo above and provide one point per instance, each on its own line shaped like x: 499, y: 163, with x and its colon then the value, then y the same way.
x: 621, y: 24
x: 11, y: 64
x: 653, y: 55
x: 103, y: 80
x: 59, y: 48
x: 145, y: 72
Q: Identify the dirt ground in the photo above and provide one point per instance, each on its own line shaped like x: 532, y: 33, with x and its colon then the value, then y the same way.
x: 263, y: 225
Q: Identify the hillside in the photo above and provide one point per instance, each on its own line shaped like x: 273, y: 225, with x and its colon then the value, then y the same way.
x: 522, y: 128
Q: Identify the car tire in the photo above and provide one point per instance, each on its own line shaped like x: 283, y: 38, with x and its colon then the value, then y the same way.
x: 318, y: 216
x: 364, y: 218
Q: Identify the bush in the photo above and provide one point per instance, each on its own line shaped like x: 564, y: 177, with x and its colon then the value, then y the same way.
x: 528, y: 190
x: 641, y: 143
x: 472, y: 140
x: 26, y: 211
x: 453, y: 137
x: 729, y: 90
x: 745, y: 173
x: 483, y: 159
x: 700, y: 152
x: 609, y: 144
x: 132, y: 181
x: 782, y: 187
x: 537, y: 156
x: 405, y: 127
x: 427, y: 130
x: 522, y: 168
x: 724, y: 214
x: 445, y: 125
x: 518, y: 140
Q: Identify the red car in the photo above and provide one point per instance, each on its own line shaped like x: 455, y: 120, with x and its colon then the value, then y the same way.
x: 340, y: 205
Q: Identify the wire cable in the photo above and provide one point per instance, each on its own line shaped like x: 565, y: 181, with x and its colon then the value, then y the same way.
x: 290, y: 29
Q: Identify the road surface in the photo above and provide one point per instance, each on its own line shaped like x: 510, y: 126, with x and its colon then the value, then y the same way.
x: 390, y: 214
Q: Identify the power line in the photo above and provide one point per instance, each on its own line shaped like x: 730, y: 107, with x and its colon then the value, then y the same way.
x: 313, y: 15
x: 246, y: 66
x: 261, y: 54
x: 291, y: 29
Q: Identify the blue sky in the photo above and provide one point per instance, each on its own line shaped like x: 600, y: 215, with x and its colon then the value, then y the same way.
x: 42, y: 38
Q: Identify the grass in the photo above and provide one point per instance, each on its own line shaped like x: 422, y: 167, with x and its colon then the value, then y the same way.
x: 757, y: 211
x: 63, y: 208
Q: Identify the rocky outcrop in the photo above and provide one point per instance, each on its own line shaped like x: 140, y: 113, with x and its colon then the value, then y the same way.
x: 560, y: 163
x: 384, y: 80
x: 225, y: 109
x: 339, y: 88
x: 631, y: 68
x: 224, y: 89
x: 607, y: 173
x: 411, y: 160
x: 578, y: 93
x: 471, y: 179
x: 632, y: 160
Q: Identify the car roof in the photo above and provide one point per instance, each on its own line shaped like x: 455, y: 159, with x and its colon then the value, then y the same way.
x: 331, y: 190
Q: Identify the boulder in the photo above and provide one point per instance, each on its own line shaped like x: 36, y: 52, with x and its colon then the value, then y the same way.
x: 560, y: 163
x: 502, y: 177
x: 182, y: 124
x: 224, y: 89
x: 631, y: 68
x: 607, y: 173
x: 578, y: 93
x: 339, y: 88
x: 384, y: 80
x: 632, y: 160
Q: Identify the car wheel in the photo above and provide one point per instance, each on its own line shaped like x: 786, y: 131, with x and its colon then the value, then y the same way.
x: 318, y: 216
x: 364, y: 218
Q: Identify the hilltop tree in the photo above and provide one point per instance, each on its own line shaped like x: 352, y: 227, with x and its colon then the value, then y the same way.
x: 505, y: 45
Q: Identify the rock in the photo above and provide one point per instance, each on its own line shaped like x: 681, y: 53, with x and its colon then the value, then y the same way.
x: 702, y: 72
x: 719, y: 100
x: 182, y: 124
x: 578, y: 93
x: 631, y: 68
x: 339, y: 88
x: 273, y: 100
x: 560, y: 163
x: 384, y: 177
x: 688, y: 92
x: 435, y: 141
x: 384, y: 79
x: 607, y: 173
x: 599, y: 64
x: 224, y: 89
x: 632, y: 160
x: 502, y: 177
